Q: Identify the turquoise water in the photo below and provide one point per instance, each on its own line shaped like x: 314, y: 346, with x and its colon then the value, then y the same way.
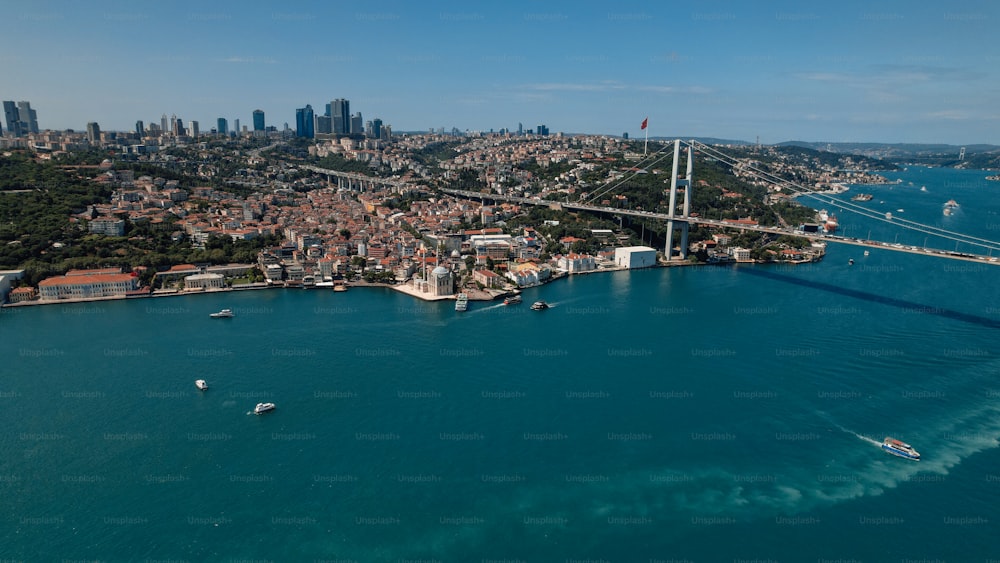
x: 707, y: 414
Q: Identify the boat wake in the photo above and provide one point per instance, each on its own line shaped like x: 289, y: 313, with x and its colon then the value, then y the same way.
x: 861, y: 437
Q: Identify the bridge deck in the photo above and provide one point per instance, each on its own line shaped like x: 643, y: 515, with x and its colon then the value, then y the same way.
x: 937, y: 253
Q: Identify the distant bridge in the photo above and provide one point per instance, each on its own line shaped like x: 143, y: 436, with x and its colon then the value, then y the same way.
x: 682, y: 220
x: 352, y: 180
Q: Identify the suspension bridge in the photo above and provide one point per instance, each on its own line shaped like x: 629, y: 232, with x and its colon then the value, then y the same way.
x: 679, y: 216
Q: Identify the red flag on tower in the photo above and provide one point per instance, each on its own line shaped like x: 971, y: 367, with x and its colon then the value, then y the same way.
x: 644, y: 122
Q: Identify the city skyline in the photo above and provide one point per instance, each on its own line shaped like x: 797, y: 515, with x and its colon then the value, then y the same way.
x: 845, y: 72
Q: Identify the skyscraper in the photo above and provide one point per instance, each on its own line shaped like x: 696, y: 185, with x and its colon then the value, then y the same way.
x: 28, y: 116
x: 304, y: 122
x: 93, y: 132
x: 258, y: 120
x: 194, y: 129
x: 377, y: 128
x: 222, y: 126
x: 164, y: 125
x: 236, y: 127
x: 341, y: 108
x: 12, y: 118
x: 176, y: 126
x: 357, y: 125
x: 324, y: 124
x: 139, y: 128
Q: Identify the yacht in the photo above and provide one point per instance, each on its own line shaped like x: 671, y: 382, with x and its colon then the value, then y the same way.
x: 512, y: 300
x: 539, y: 306
x: 200, y: 384
x: 901, y: 449
x: 461, y: 302
x: 262, y: 408
x: 223, y: 314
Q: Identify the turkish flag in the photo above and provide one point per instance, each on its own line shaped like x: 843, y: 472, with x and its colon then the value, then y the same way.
x: 644, y: 121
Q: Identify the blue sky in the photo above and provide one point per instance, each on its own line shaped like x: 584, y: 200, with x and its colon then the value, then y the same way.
x: 843, y: 71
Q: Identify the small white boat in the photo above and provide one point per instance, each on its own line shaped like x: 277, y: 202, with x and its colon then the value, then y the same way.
x: 201, y: 384
x: 262, y: 408
x: 223, y: 314
x: 539, y: 305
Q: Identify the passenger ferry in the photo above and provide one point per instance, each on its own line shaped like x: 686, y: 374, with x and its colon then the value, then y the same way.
x: 512, y: 300
x: 461, y: 302
x: 539, y: 306
x: 901, y: 449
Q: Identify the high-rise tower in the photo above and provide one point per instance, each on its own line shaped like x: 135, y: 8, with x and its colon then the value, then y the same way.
x: 258, y: 120
x: 12, y: 118
x: 340, y: 111
x: 93, y: 132
x: 304, y: 122
x: 28, y: 117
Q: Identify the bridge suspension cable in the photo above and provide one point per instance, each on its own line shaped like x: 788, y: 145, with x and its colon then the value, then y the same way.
x: 850, y: 206
x: 646, y: 161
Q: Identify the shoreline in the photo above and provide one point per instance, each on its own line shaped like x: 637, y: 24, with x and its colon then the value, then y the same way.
x: 405, y: 288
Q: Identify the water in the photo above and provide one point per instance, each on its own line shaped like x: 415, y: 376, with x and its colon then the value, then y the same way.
x: 711, y: 413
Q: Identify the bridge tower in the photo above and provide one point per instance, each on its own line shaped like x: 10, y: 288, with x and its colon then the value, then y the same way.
x: 682, y: 220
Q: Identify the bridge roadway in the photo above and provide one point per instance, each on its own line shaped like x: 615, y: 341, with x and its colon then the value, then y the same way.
x: 353, y: 177
x: 985, y: 259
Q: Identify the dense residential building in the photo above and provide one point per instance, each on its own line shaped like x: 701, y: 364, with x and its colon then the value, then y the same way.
x: 109, y: 226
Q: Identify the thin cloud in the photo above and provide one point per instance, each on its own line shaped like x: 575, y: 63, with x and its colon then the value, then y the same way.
x: 249, y: 60
x: 613, y: 86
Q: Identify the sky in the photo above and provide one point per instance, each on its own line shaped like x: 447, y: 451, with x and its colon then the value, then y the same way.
x: 771, y: 70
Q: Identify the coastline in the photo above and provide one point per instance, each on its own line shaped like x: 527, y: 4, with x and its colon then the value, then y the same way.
x: 405, y: 288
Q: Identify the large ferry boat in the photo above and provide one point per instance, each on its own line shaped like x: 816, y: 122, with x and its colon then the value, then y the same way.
x: 262, y: 408
x: 512, y: 300
x: 539, y: 305
x: 461, y: 302
x: 223, y: 314
x: 901, y: 449
x: 862, y: 197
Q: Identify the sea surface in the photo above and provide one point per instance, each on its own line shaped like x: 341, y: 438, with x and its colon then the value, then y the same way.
x: 674, y: 414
